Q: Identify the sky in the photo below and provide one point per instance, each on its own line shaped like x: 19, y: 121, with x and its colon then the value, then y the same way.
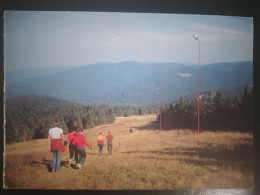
x: 63, y: 38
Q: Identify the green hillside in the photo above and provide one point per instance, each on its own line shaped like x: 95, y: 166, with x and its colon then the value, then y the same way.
x: 30, y: 117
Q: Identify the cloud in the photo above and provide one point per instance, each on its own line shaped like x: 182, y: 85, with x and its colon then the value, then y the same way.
x: 228, y: 69
x: 185, y: 74
x: 216, y: 29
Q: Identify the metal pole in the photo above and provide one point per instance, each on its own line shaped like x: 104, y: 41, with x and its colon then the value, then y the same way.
x: 160, y: 107
x: 199, y: 91
x: 197, y: 38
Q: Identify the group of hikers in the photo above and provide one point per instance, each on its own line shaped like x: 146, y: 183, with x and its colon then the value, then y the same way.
x: 76, y: 142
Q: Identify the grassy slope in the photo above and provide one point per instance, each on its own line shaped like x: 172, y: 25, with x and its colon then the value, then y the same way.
x: 147, y: 159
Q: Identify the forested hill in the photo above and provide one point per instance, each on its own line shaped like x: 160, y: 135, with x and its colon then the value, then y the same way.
x: 131, y: 83
x: 30, y: 117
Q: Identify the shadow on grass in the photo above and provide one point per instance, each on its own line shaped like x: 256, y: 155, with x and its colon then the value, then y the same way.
x: 153, y: 125
x: 240, y: 157
x: 47, y: 163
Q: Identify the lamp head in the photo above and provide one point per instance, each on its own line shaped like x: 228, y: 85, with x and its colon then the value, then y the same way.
x: 196, y: 37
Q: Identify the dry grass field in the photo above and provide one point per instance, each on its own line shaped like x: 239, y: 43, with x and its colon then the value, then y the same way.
x: 146, y: 159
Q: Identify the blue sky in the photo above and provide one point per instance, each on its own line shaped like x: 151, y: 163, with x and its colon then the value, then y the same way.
x: 43, y: 38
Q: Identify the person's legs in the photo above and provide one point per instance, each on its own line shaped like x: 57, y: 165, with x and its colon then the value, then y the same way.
x: 58, y: 154
x: 71, y: 151
x: 101, y: 149
x: 82, y: 155
x: 109, y: 147
x: 54, y: 160
x: 76, y: 154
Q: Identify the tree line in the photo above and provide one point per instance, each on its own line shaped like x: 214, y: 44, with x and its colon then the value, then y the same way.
x: 217, y: 112
x: 135, y: 110
x: 30, y: 117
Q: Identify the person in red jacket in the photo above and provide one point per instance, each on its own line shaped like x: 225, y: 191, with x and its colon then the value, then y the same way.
x: 72, y: 148
x: 100, y: 143
x: 109, y: 142
x: 80, y: 142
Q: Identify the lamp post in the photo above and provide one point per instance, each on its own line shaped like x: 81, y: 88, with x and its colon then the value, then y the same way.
x: 160, y: 107
x: 197, y: 39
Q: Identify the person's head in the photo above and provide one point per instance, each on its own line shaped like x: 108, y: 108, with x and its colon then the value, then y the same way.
x: 56, y: 123
x: 109, y: 132
x: 100, y: 133
x: 79, y: 130
x: 72, y: 129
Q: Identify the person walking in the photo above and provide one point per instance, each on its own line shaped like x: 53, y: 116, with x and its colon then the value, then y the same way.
x: 100, y: 143
x: 80, y: 142
x: 55, y: 144
x: 72, y: 148
x: 109, y: 142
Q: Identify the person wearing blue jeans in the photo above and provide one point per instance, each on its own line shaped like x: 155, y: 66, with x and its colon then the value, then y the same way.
x: 56, y: 160
x: 55, y: 138
x: 80, y: 142
x: 82, y: 155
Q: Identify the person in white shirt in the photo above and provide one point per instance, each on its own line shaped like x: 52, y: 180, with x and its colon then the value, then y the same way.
x: 55, y: 138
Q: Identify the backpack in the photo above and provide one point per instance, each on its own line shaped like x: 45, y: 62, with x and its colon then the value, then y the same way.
x: 109, y: 137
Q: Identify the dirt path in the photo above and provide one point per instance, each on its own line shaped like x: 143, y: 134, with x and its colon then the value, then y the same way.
x: 123, y: 140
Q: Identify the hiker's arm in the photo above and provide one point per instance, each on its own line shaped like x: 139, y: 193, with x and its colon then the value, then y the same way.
x: 49, y: 142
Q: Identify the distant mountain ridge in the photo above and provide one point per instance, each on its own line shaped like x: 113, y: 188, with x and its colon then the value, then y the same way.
x: 132, y: 83
x: 29, y: 73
